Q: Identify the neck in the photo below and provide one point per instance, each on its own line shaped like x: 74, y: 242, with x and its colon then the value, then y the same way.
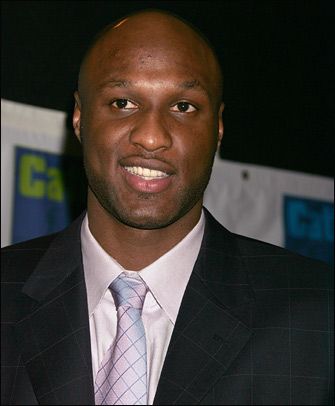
x: 135, y: 248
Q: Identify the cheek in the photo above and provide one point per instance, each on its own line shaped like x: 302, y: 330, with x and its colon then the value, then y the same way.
x: 102, y: 139
x: 197, y: 149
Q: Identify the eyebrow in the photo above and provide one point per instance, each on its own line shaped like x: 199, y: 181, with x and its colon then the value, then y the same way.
x: 115, y: 83
x: 193, y: 84
x: 187, y: 84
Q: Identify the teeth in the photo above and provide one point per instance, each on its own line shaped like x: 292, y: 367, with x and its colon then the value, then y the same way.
x: 146, y: 173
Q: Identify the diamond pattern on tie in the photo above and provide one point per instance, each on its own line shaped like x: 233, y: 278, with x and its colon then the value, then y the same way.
x: 122, y: 377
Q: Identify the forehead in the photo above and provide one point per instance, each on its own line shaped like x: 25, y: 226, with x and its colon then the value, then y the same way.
x: 164, y: 51
x: 138, y: 63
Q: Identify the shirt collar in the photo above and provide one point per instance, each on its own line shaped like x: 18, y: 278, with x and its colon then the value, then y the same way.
x: 166, y: 278
x: 100, y: 269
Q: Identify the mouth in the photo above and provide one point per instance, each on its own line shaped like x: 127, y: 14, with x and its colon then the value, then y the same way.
x: 147, y: 177
x: 146, y: 173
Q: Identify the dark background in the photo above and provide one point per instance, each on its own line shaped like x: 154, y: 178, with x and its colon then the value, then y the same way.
x: 277, y: 57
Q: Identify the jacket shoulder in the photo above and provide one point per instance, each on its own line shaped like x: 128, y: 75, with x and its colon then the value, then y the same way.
x: 18, y: 260
x: 268, y: 265
x: 269, y: 262
x: 250, y: 247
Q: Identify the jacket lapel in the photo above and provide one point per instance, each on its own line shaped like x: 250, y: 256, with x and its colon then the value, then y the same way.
x: 212, y: 324
x: 53, y: 331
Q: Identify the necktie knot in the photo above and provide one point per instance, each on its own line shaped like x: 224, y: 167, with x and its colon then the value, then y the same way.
x: 128, y: 291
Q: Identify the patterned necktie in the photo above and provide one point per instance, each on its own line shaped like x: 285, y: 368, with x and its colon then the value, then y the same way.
x: 122, y: 377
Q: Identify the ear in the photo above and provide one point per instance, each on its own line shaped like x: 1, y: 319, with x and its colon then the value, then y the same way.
x: 76, y: 118
x: 221, y: 126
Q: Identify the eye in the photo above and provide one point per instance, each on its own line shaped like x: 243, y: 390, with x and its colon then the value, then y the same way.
x: 183, y: 107
x: 124, y: 104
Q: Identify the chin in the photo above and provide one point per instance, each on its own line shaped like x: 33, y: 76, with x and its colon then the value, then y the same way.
x: 146, y: 211
x: 144, y: 220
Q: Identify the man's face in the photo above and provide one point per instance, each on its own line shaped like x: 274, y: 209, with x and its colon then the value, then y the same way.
x: 149, y: 123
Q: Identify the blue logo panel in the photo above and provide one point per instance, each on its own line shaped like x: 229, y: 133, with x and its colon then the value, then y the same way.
x: 309, y: 227
x: 50, y: 191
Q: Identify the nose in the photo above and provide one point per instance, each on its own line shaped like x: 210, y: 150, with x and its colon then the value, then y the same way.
x: 151, y: 132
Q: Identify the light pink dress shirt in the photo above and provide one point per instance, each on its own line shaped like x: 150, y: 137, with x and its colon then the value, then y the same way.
x: 166, y: 278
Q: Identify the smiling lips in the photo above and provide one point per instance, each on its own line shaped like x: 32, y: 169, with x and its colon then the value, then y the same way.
x: 146, y: 173
x: 147, y: 180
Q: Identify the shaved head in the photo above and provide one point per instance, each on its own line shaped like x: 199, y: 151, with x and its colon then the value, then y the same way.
x: 156, y: 28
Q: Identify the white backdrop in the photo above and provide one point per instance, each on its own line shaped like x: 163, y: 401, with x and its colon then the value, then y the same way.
x: 247, y: 199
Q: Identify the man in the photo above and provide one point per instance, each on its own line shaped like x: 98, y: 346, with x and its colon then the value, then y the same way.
x: 224, y: 319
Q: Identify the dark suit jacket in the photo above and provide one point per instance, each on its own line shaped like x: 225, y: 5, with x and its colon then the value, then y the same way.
x: 253, y: 327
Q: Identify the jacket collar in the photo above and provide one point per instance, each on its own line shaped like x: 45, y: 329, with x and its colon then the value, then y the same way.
x: 53, y: 332
x: 61, y: 259
x: 213, y: 324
